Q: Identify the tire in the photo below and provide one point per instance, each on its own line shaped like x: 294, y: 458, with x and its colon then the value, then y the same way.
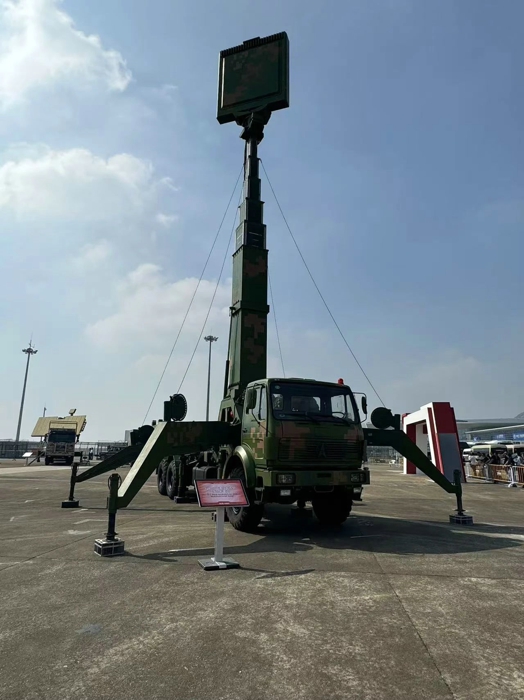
x: 47, y: 460
x: 171, y: 480
x: 244, y: 519
x: 161, y: 477
x: 332, y: 508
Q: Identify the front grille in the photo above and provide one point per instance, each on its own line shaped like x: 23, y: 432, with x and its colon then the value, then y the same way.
x: 58, y: 448
x: 304, y: 450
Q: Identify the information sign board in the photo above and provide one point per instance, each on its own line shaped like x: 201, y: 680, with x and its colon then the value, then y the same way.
x: 214, y: 493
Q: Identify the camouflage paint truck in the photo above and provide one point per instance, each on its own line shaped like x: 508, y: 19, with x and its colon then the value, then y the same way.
x: 292, y: 440
x: 299, y: 440
x: 289, y: 440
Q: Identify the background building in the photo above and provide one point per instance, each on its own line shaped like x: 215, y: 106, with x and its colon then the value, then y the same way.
x: 492, y: 429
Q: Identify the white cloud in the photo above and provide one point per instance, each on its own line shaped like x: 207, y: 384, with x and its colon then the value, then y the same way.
x: 151, y: 308
x: 41, y: 47
x: 168, y: 183
x: 165, y: 220
x: 165, y: 92
x: 37, y: 182
x: 92, y: 255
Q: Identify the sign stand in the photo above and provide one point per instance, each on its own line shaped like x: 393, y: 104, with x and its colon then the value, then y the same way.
x: 218, y: 560
x: 219, y: 493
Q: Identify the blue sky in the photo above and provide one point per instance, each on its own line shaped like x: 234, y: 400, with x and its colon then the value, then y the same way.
x: 399, y: 166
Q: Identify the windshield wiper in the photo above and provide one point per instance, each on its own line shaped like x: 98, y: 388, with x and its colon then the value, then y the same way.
x: 330, y: 415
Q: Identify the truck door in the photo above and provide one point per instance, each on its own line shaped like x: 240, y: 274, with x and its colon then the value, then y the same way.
x: 254, y: 425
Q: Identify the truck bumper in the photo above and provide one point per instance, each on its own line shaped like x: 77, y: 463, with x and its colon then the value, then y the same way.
x: 311, y: 478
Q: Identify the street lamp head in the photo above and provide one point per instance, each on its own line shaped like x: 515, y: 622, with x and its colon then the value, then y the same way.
x: 210, y: 338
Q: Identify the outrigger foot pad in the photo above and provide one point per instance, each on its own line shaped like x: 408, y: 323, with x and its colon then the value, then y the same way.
x: 109, y: 548
x: 461, y: 519
x: 70, y: 503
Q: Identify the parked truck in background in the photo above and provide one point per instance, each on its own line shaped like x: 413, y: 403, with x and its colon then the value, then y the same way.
x: 60, y: 444
x: 60, y: 436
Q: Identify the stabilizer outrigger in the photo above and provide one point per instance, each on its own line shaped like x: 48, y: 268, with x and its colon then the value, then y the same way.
x: 168, y: 439
x: 175, y: 438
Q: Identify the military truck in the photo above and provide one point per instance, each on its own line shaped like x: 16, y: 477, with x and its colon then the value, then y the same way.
x: 299, y: 440
x: 290, y: 440
x: 60, y: 436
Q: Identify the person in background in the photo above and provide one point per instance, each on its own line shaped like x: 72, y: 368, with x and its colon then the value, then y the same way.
x: 517, y: 461
x: 484, y: 460
x: 510, y: 465
x: 494, y: 459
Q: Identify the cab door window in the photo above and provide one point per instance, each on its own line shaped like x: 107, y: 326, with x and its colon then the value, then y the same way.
x: 262, y: 403
x: 259, y: 412
x: 252, y: 414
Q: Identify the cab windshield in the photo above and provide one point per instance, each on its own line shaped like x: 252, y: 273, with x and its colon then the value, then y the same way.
x: 61, y: 436
x: 312, y: 402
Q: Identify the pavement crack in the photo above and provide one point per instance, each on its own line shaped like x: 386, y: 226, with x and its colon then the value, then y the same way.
x: 415, y: 628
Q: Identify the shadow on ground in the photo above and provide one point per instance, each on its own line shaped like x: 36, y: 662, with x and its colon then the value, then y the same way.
x: 366, y: 534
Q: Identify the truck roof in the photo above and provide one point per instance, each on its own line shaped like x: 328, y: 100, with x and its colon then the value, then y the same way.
x: 301, y: 379
x: 44, y: 424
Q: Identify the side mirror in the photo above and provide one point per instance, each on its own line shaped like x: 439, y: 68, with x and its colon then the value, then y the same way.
x: 251, y: 399
x: 364, y: 403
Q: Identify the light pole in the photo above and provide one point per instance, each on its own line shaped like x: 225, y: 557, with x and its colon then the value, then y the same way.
x: 41, y: 436
x: 28, y: 351
x: 209, y: 339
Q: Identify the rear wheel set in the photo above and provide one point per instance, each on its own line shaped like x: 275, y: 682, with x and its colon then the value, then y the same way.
x: 172, y: 479
x: 161, y: 477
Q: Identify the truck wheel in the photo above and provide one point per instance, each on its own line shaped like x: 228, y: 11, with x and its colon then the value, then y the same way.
x: 332, y: 508
x: 171, y: 480
x: 161, y: 477
x: 244, y: 519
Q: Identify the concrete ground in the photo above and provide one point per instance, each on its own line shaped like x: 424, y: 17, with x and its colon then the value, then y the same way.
x: 395, y: 605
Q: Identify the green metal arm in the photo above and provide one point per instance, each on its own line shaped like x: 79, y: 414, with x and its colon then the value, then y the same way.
x: 173, y: 439
x: 119, y: 459
x: 407, y: 448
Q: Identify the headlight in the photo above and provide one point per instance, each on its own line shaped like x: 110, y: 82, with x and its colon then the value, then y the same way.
x: 285, y: 478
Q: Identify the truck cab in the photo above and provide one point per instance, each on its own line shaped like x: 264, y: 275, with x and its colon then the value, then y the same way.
x: 301, y: 440
x: 60, y: 445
